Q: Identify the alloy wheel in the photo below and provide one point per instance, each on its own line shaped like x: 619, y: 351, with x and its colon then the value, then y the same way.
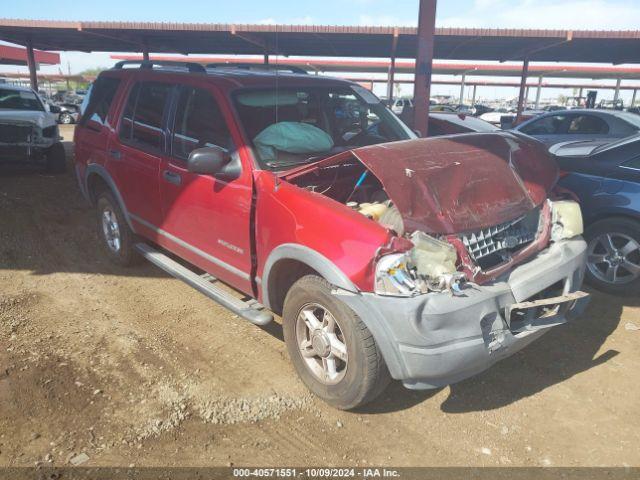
x: 321, y: 343
x: 614, y: 258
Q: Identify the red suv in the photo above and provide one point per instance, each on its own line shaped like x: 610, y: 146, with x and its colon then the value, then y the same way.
x: 387, y: 256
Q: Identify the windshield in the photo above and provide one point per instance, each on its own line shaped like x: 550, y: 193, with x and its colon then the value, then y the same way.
x: 619, y: 143
x: 290, y: 126
x: 19, y: 100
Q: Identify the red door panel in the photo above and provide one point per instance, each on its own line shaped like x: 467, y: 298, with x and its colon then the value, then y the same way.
x: 206, y: 220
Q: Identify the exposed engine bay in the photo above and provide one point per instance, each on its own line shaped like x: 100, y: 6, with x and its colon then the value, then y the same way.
x: 356, y: 187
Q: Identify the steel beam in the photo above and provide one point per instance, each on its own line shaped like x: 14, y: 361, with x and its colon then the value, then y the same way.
x: 392, y: 66
x: 31, y: 63
x: 145, y: 51
x: 424, y: 63
x: 538, y: 92
x: 633, y: 98
x: 473, y: 98
x: 616, y: 93
x: 464, y: 76
x: 523, y: 86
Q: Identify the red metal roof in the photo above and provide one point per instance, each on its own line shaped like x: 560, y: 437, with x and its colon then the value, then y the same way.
x: 326, y: 40
x: 18, y: 56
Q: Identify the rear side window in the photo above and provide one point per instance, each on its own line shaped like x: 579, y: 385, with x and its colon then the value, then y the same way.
x: 99, y: 101
x: 143, y: 115
x: 588, y: 125
x: 198, y: 123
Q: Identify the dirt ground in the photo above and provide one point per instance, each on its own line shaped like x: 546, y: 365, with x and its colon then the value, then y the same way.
x: 133, y: 367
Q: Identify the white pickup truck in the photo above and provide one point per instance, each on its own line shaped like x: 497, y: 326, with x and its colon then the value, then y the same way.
x: 28, y: 130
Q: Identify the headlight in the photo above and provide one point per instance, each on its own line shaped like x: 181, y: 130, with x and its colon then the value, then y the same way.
x: 393, y: 276
x: 429, y: 266
x: 566, y: 220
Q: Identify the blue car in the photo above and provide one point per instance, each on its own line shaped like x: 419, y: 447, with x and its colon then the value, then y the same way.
x: 606, y: 179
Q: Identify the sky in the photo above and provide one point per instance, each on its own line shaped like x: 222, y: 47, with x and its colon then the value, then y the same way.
x: 561, y: 14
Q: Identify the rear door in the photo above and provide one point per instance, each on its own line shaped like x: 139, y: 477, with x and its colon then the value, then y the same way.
x: 135, y: 153
x: 91, y: 135
x: 206, y: 220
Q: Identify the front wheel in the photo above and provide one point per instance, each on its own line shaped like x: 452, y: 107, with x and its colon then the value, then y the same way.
x: 330, y: 347
x: 613, y: 255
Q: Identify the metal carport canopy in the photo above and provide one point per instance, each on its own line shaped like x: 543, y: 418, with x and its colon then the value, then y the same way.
x: 323, y: 40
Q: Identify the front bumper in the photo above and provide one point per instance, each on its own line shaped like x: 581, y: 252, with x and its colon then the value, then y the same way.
x: 437, y: 339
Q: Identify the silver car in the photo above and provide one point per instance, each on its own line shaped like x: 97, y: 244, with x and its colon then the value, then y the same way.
x: 580, y: 125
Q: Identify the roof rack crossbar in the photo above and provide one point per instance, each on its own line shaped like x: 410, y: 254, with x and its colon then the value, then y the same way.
x: 259, y: 66
x: 149, y: 64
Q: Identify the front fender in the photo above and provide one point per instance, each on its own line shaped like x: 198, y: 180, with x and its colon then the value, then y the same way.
x: 321, y: 264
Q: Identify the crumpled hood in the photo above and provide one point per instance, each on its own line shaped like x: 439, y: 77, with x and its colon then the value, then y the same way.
x: 464, y: 182
x: 41, y: 119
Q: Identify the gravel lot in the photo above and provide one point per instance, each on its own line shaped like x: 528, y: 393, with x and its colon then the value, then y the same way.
x: 129, y: 366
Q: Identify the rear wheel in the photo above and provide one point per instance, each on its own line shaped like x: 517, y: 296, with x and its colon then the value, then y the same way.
x: 116, y: 238
x: 613, y: 255
x: 330, y: 347
x: 56, y: 159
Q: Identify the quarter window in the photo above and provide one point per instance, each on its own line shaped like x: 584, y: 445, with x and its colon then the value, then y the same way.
x: 198, y: 123
x: 99, y: 101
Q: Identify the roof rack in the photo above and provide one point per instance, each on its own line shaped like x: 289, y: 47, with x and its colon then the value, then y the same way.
x: 259, y: 66
x: 149, y: 64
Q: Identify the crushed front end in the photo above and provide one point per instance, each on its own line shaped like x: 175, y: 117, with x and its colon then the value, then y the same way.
x: 24, y: 141
x: 480, y: 261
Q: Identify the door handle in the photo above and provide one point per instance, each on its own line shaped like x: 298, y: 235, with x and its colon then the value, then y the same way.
x: 115, y: 154
x: 172, y: 177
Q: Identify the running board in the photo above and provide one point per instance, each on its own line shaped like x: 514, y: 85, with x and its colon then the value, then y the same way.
x: 252, y: 310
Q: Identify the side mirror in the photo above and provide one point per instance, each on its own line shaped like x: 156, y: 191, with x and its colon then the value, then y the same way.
x: 418, y: 133
x: 213, y: 161
x: 54, y: 109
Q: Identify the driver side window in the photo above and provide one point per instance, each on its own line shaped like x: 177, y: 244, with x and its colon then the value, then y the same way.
x: 551, y: 125
x: 198, y: 123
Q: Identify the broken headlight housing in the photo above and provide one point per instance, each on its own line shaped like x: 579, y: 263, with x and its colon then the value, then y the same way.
x: 428, y: 267
x: 566, y: 220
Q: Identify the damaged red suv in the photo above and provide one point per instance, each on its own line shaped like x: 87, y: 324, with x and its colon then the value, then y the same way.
x: 387, y: 256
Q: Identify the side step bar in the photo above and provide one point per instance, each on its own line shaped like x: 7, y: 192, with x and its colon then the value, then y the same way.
x: 252, y: 310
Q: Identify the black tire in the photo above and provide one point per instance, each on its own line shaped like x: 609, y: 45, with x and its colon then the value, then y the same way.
x: 366, y: 374
x: 620, y: 229
x: 56, y: 159
x: 125, y: 255
x: 65, y: 118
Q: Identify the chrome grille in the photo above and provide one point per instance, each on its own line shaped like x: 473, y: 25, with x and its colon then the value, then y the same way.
x: 491, y: 246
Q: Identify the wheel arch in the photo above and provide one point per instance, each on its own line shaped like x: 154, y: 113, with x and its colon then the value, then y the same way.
x: 97, y: 178
x: 289, y: 262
